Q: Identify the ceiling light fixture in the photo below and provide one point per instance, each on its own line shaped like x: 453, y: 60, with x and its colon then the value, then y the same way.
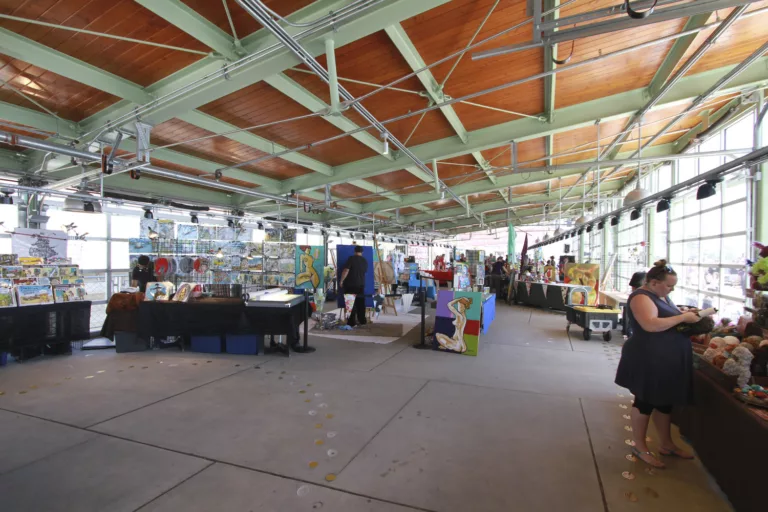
x: 148, y: 213
x: 663, y: 205
x: 193, y: 219
x: 708, y: 189
x: 615, y: 221
x: 636, y: 213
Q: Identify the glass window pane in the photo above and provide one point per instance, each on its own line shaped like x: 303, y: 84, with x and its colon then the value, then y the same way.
x: 677, y: 210
x: 125, y: 226
x: 732, y: 282
x: 734, y: 189
x: 710, y: 162
x: 88, y: 254
x: 664, y: 177
x: 691, y: 204
x: 688, y: 276
x: 710, y: 251
x: 676, y: 253
x: 740, y: 135
x: 710, y: 222
x: 9, y: 216
x: 735, y: 218
x: 709, y: 278
x: 686, y: 169
x: 119, y: 255
x: 95, y: 224
x: 734, y: 250
x: 691, y: 251
x: 660, y: 237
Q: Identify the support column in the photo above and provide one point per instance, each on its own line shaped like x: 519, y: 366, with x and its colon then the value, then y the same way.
x: 760, y: 210
x: 333, y: 81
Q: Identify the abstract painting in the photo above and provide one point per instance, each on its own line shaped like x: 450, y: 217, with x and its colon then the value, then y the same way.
x: 310, y: 265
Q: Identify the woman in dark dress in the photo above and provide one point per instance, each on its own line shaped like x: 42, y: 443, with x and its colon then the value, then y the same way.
x: 656, y: 362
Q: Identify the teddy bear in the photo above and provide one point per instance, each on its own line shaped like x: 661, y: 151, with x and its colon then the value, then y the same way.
x: 739, y: 365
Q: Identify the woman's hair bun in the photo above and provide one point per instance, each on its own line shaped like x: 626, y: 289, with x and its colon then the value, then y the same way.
x: 660, y: 263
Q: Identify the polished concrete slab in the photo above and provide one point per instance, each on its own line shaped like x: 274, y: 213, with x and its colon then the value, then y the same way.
x: 24, y: 440
x: 391, y: 427
x: 85, y: 389
x: 276, y: 420
x: 226, y: 488
x: 532, y: 369
x: 100, y: 474
x: 683, y: 485
x: 456, y: 448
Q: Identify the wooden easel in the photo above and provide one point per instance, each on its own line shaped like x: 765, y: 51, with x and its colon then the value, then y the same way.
x: 388, y: 301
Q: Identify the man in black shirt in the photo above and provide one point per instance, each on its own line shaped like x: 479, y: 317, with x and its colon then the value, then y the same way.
x: 353, y: 281
x: 142, y: 274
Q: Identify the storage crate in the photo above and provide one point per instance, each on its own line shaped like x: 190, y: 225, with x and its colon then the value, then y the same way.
x: 207, y: 344
x: 128, y: 342
x: 244, y: 344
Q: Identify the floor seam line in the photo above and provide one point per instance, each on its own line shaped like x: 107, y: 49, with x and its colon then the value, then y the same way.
x: 166, y: 398
x: 174, y: 487
x: 383, y: 427
x: 390, y: 357
x: 3, y: 473
x: 594, y: 457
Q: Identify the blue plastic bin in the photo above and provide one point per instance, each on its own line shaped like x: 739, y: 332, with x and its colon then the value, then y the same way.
x: 207, y: 344
x: 3, y: 358
x: 244, y: 344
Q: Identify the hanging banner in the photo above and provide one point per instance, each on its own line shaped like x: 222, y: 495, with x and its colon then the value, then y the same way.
x: 39, y: 243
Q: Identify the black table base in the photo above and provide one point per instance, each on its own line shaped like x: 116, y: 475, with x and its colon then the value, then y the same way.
x: 45, y: 329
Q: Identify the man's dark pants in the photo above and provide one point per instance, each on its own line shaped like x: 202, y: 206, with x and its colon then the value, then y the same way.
x: 357, y: 316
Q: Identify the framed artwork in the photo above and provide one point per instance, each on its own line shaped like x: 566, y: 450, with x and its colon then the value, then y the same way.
x: 166, y: 228
x: 145, y: 225
x: 271, y: 250
x: 183, y: 293
x: 256, y: 263
x: 9, y: 259
x: 34, y: 295
x: 140, y: 246
x: 68, y: 271
x: 310, y: 265
x: 69, y: 293
x: 159, y: 291
x: 206, y: 232
x: 225, y: 233
x: 586, y: 274
x: 457, y: 322
x: 7, y: 297
x: 187, y: 231
x: 13, y: 272
x: 286, y: 266
x: 39, y: 243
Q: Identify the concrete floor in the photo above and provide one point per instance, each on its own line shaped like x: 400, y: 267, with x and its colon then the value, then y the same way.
x: 533, y: 423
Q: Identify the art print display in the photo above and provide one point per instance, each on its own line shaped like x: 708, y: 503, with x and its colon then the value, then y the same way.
x: 234, y: 248
x: 271, y: 265
x: 26, y: 281
x: 147, y: 227
x: 184, y: 292
x: 221, y: 278
x: 140, y: 246
x: 166, y: 228
x: 256, y: 263
x: 254, y: 249
x: 271, y: 250
x: 187, y: 231
x: 279, y: 235
x: 457, y: 322
x: 9, y: 259
x: 243, y: 234
x: 288, y: 280
x: 585, y: 274
x: 6, y: 283
x: 310, y: 263
x: 7, y: 297
x: 68, y: 293
x: 286, y: 266
x: 39, y: 243
x: 271, y: 280
x: 34, y: 295
x: 286, y: 251
x: 206, y: 232
x: 41, y: 271
x: 461, y: 278
x: 28, y: 261
x: 225, y: 233
x: 159, y: 291
x: 14, y: 272
x: 68, y: 271
x: 71, y: 280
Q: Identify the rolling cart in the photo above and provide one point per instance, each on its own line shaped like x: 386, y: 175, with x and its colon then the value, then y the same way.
x: 593, y: 320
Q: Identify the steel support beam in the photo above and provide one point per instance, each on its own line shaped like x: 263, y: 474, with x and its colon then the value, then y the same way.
x: 37, y: 120
x: 568, y: 118
x: 434, y: 91
x: 345, y: 32
x: 188, y: 20
x: 676, y: 53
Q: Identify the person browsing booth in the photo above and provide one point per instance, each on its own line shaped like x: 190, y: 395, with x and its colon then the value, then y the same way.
x: 353, y: 282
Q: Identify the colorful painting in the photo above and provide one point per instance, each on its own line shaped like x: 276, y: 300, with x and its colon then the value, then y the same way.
x: 457, y: 322
x: 159, y: 291
x: 286, y: 266
x: 26, y: 281
x: 461, y: 277
x: 271, y: 280
x: 6, y: 283
x: 271, y: 250
x: 187, y: 231
x: 140, y: 246
x: 310, y: 262
x: 69, y: 293
x: 27, y: 261
x: 234, y: 248
x: 256, y: 263
x: 206, y: 232
x: 34, y: 295
x: 286, y: 251
x: 13, y: 272
x: 271, y: 266
x: 288, y: 280
x: 243, y: 234
x: 42, y: 271
x: 7, y: 297
x: 586, y: 274
x: 71, y: 280
x: 9, y: 259
x: 68, y: 271
x: 147, y: 226
x: 183, y: 293
x: 39, y: 243
x: 166, y: 228
x: 225, y: 233
x: 254, y: 249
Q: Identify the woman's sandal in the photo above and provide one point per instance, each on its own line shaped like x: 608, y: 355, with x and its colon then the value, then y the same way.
x: 676, y: 453
x: 654, y: 462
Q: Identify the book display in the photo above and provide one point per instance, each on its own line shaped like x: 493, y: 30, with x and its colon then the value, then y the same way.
x: 30, y: 281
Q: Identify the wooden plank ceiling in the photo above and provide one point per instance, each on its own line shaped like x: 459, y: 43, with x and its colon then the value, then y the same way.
x: 375, y: 61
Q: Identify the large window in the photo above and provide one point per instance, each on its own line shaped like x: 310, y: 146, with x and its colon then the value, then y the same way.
x: 631, y: 249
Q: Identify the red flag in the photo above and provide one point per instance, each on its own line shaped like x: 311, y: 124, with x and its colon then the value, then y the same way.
x: 523, y: 256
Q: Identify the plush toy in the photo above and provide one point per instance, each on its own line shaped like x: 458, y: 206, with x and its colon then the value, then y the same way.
x: 754, y: 341
x: 719, y: 360
x: 703, y: 326
x: 739, y: 366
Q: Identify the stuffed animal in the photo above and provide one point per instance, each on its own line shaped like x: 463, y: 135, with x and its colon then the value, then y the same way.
x: 719, y: 361
x: 739, y: 366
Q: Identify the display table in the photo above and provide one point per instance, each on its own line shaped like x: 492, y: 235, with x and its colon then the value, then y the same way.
x: 212, y: 317
x: 545, y: 295
x: 279, y: 315
x: 729, y: 439
x: 53, y: 326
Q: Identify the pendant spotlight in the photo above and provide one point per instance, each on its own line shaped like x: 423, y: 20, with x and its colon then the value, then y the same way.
x: 708, y: 189
x: 6, y: 199
x: 663, y: 205
x: 148, y: 214
x: 601, y: 224
x: 589, y: 228
x: 615, y: 221
x: 193, y: 219
x: 636, y: 213
x: 260, y: 226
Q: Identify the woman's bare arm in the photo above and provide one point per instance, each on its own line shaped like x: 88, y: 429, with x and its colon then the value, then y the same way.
x: 647, y: 315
